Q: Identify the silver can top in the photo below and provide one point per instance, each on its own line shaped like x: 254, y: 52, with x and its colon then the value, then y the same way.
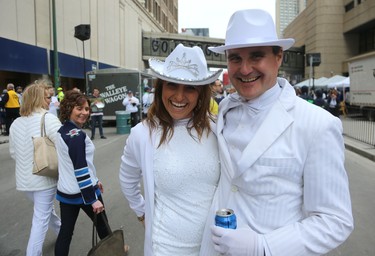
x: 224, y: 212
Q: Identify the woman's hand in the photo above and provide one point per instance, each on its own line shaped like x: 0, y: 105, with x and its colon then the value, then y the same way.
x: 97, y: 207
x: 100, y: 185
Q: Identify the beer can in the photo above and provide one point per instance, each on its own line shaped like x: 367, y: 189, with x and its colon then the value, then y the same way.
x: 226, y: 218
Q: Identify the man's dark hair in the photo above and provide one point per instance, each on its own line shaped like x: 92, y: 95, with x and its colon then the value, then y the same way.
x: 276, y: 49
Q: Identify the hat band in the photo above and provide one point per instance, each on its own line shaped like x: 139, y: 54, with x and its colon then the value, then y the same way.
x: 253, y: 40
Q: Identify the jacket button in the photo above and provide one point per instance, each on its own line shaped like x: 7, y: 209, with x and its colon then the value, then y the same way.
x: 234, y: 188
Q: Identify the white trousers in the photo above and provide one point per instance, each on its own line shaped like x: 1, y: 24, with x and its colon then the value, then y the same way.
x: 44, y: 216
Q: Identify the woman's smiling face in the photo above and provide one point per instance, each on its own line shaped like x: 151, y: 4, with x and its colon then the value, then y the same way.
x: 80, y: 114
x: 179, y: 100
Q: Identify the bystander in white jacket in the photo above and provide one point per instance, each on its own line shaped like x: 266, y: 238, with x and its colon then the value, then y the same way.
x: 21, y: 149
x: 39, y: 189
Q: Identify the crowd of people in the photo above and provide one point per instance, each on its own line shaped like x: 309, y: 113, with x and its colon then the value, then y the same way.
x: 290, y: 196
x: 332, y: 100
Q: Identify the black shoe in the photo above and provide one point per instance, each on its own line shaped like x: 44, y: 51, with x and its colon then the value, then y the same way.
x: 92, y: 138
x: 103, y: 137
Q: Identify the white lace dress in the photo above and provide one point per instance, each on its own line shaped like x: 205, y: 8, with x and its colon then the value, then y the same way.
x: 186, y: 175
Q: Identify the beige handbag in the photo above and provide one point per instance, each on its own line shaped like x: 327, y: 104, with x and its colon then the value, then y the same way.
x: 45, y: 156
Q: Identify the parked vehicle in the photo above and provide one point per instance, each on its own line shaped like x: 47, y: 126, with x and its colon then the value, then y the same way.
x: 113, y: 83
x: 362, y: 84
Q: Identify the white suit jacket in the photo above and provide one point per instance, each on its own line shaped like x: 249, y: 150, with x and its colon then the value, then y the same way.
x: 290, y: 184
x: 137, y: 163
x: 21, y: 149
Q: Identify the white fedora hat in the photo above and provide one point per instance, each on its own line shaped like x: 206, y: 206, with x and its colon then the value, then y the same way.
x: 250, y: 28
x: 184, y: 65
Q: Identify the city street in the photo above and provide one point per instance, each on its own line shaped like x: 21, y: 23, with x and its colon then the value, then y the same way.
x: 361, y: 173
x: 17, y: 210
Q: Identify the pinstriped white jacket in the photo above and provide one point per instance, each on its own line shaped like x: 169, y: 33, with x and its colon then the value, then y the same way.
x: 21, y: 149
x: 290, y: 184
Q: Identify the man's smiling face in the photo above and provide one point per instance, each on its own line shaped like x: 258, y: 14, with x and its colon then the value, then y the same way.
x: 253, y: 70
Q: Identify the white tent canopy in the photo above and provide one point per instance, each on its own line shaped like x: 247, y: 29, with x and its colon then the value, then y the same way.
x: 334, y: 79
x: 309, y: 82
x: 321, y: 81
x: 345, y: 83
x: 332, y: 82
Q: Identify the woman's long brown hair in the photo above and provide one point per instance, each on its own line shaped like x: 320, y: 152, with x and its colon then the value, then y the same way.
x: 200, y: 120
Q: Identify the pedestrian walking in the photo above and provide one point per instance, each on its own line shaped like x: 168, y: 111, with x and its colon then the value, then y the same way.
x: 11, y: 104
x: 97, y: 107
x: 78, y: 186
x: 40, y: 190
x: 131, y: 104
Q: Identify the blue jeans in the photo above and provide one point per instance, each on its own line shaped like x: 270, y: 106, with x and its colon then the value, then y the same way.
x: 69, y: 214
x: 99, y: 120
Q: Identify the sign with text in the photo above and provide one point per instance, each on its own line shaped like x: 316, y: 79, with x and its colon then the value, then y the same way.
x: 162, y: 47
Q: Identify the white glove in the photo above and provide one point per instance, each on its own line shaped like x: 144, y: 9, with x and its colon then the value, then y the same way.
x: 239, y: 242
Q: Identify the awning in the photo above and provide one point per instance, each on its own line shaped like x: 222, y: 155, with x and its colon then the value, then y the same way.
x: 20, y: 57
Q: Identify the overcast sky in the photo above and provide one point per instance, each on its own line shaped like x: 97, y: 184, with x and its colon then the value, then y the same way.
x: 215, y: 14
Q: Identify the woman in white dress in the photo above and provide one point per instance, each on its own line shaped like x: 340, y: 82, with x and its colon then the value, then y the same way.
x: 175, y: 152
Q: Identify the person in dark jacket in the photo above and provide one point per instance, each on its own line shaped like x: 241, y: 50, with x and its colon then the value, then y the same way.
x: 333, y: 103
x: 305, y: 94
x: 97, y: 107
x: 319, y: 101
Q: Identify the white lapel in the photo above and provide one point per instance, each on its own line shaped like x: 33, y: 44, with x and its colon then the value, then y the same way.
x: 225, y: 158
x: 276, y: 122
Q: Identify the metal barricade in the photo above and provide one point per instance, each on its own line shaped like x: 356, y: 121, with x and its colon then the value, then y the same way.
x: 361, y: 130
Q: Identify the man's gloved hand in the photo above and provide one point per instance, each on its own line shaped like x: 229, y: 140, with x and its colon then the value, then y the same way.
x: 239, y: 242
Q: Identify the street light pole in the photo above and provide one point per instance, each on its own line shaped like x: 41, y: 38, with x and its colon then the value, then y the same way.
x: 84, y: 65
x: 55, y: 51
x: 82, y: 32
x: 311, y: 69
x: 313, y: 73
x: 312, y: 61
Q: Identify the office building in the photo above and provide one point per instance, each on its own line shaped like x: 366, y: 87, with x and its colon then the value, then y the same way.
x: 39, y: 38
x: 286, y: 11
x: 337, y: 29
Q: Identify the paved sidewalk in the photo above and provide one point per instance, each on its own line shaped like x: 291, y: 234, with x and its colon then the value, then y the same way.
x: 361, y: 148
x: 356, y: 146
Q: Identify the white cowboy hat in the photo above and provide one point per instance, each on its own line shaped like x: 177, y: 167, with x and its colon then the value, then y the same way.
x: 184, y: 65
x: 250, y: 28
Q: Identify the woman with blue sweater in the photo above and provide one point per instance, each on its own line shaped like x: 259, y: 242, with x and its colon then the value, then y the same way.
x: 78, y: 187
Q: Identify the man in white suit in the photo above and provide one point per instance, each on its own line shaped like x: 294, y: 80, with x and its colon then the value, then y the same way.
x: 282, y: 158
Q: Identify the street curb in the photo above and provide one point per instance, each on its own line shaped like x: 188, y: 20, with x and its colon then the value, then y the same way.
x: 360, y: 152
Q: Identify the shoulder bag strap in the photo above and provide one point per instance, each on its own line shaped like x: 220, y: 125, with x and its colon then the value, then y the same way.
x: 94, y: 233
x: 42, y: 126
x: 94, y: 230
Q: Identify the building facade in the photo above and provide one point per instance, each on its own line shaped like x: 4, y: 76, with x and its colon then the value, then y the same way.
x: 28, y: 28
x: 286, y: 12
x: 337, y: 29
